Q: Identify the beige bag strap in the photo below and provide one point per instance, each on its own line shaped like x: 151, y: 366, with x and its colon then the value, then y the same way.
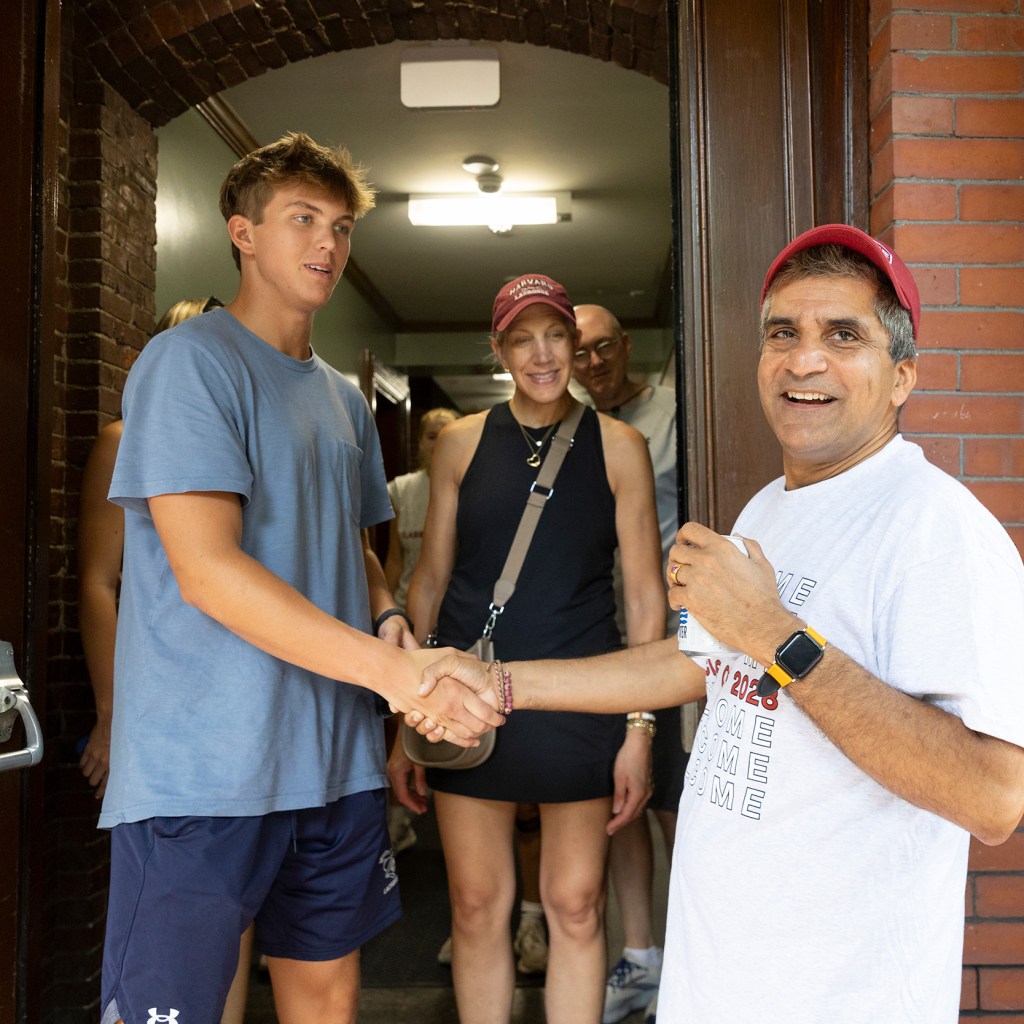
x: 540, y: 491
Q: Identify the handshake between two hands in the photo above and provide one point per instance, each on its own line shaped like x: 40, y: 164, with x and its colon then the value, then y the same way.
x: 457, y: 699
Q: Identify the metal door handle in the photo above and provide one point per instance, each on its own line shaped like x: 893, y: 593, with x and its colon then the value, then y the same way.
x: 14, y: 702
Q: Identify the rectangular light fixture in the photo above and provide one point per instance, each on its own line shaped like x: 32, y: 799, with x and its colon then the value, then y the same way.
x: 504, y: 209
x: 448, y: 76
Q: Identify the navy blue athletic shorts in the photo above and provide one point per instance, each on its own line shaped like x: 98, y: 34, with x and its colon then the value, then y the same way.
x: 319, y: 883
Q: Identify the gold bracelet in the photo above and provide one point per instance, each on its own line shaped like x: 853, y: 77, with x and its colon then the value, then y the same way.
x: 647, y: 725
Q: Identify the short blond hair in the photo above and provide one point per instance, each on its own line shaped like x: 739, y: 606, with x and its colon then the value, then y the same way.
x: 185, y: 310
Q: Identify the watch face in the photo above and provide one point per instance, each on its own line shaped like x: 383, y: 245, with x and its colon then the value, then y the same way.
x: 798, y: 655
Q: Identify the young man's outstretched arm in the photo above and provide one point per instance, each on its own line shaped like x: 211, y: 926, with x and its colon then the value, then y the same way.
x: 201, y: 533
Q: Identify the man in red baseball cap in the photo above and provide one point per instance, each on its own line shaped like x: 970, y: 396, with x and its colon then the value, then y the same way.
x: 839, y: 318
x: 867, y: 719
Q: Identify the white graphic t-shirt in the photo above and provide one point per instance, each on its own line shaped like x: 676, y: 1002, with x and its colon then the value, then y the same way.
x: 802, y: 891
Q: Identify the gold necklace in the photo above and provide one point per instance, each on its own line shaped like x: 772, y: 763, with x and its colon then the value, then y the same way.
x: 534, y: 446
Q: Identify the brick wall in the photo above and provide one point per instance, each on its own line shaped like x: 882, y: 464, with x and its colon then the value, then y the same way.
x: 106, y: 280
x: 165, y: 57
x: 947, y: 191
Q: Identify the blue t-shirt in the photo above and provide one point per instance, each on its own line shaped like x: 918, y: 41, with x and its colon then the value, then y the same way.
x: 204, y: 722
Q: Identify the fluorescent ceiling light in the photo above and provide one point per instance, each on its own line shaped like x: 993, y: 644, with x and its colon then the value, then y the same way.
x: 437, y: 77
x: 503, y: 209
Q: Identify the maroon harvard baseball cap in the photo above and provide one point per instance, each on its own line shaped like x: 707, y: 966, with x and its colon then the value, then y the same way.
x: 853, y: 238
x: 526, y: 291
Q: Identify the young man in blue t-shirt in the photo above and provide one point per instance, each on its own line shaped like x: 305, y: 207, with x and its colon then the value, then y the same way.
x: 247, y: 765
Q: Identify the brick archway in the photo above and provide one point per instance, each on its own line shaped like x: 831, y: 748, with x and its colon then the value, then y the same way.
x: 167, y: 57
x: 137, y: 66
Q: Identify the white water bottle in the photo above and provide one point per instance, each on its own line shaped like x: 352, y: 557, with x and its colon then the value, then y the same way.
x: 694, y: 640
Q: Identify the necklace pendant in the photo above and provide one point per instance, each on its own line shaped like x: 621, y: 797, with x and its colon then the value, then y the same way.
x: 534, y: 460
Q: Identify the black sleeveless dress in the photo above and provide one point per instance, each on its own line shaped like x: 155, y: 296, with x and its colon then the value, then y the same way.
x: 563, y: 606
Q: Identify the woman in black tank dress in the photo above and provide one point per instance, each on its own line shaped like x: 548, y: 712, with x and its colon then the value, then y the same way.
x: 589, y: 773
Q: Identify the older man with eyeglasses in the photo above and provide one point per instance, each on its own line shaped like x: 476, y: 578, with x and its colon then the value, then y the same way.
x: 601, y: 365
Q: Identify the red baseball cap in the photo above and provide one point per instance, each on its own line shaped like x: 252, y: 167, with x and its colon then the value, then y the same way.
x: 853, y: 238
x: 526, y: 291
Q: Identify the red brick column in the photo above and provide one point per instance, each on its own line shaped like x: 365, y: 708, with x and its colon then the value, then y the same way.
x: 947, y: 191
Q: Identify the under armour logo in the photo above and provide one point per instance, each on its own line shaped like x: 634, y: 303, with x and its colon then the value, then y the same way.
x: 162, y: 1018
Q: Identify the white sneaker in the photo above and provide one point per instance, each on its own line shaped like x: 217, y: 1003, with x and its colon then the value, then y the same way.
x: 631, y: 986
x: 444, y: 954
x: 531, y: 945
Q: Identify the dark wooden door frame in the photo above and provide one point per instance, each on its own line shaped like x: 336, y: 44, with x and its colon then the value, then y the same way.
x: 29, y: 87
x: 771, y: 130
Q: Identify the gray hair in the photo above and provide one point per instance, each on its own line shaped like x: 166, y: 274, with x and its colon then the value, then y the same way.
x: 838, y: 261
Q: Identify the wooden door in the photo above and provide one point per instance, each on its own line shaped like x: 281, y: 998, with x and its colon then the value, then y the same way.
x: 27, y: 166
x: 772, y: 138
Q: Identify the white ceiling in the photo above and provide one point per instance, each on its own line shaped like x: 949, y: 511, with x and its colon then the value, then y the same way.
x: 564, y: 122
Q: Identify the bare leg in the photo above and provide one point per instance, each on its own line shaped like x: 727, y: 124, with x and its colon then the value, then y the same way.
x: 238, y: 995
x: 315, y: 992
x: 667, y: 821
x: 477, y: 840
x: 574, y: 851
x: 631, y: 866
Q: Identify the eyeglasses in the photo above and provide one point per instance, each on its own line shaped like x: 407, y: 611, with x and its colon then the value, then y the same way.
x: 603, y: 349
x: 212, y: 303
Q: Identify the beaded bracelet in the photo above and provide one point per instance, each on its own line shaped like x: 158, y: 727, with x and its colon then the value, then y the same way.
x: 503, y: 682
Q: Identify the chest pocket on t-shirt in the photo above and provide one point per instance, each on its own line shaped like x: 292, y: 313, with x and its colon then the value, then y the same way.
x: 345, y: 465
x: 307, y: 482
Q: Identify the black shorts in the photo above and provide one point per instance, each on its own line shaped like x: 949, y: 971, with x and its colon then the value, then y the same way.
x: 669, y: 761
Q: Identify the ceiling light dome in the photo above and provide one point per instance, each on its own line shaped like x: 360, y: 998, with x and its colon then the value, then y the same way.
x: 478, y: 164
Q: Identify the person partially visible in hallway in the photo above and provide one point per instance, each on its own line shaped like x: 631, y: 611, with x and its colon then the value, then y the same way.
x: 409, y: 493
x: 602, y: 366
x: 868, y: 719
x: 100, y: 551
x: 589, y: 773
x: 247, y: 770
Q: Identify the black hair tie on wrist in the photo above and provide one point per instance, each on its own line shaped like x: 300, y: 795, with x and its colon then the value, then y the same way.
x: 385, y: 615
